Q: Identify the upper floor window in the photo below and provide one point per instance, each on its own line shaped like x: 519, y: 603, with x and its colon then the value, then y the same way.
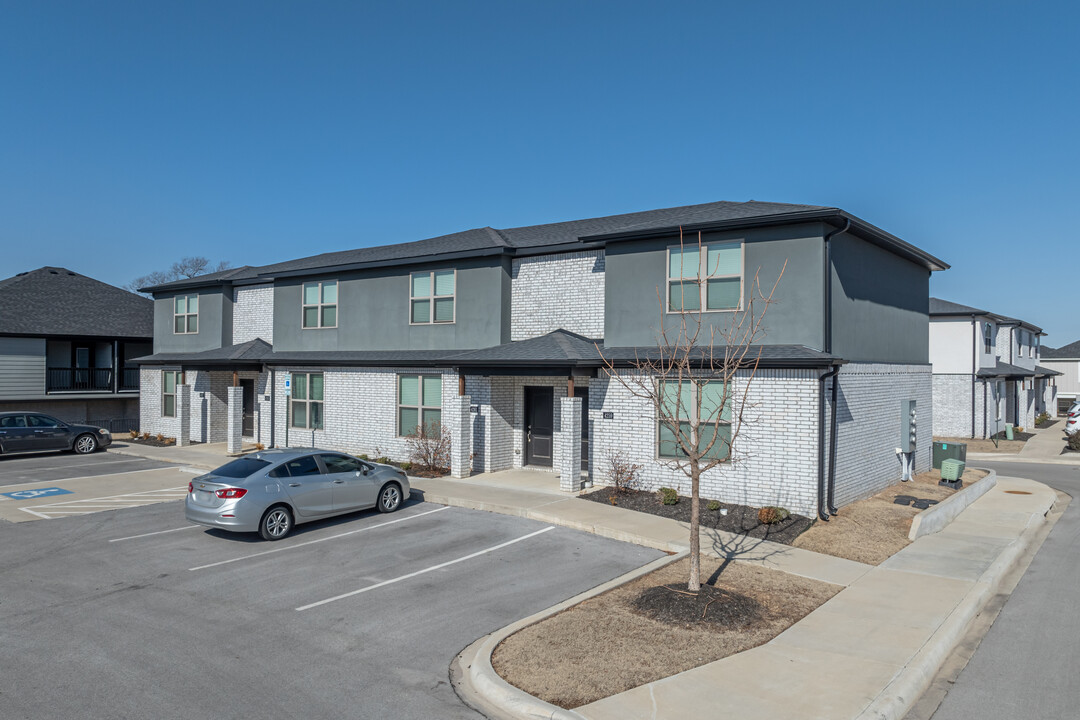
x: 185, y: 314
x: 432, y: 296
x: 706, y: 278
x: 694, y: 402
x: 307, y: 401
x: 320, y: 304
x: 988, y: 339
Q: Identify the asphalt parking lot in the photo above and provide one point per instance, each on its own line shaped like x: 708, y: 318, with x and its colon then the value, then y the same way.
x: 134, y: 613
x: 53, y: 466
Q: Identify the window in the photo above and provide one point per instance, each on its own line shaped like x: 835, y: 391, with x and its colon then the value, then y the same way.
x: 307, y: 401
x: 705, y: 278
x: 320, y: 304
x: 169, y: 380
x: 341, y: 464
x: 241, y: 468
x: 690, y: 401
x: 299, y: 467
x: 988, y: 339
x: 42, y: 421
x: 419, y: 403
x: 185, y: 314
x: 432, y: 297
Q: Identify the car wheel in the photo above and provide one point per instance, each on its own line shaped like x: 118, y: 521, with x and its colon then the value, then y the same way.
x: 85, y: 444
x: 390, y: 498
x: 276, y: 523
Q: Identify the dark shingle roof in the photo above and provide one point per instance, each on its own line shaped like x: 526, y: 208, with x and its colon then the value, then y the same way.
x: 1068, y: 352
x: 57, y: 301
x: 1042, y: 372
x: 252, y: 352
x: 1003, y: 369
x: 944, y: 307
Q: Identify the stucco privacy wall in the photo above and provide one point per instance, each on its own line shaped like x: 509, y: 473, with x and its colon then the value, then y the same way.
x: 565, y: 291
x: 775, y: 455
x: 868, y: 425
x: 253, y: 313
x: 952, y: 406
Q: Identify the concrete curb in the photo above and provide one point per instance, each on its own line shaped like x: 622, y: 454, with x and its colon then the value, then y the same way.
x: 900, y: 695
x: 1071, y: 459
x: 936, y: 517
x: 481, y: 688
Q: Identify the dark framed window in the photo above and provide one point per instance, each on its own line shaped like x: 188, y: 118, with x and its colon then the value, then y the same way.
x: 706, y: 278
x: 185, y: 314
x: 432, y: 297
x: 320, y: 304
x: 988, y: 339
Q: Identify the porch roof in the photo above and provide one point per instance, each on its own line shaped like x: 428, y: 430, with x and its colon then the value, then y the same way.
x: 1044, y: 372
x: 1005, y: 370
x: 254, y: 352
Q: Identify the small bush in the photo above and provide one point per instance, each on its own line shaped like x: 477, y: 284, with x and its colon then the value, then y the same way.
x: 134, y: 434
x: 1042, y: 417
x: 170, y: 441
x: 668, y: 496
x: 771, y: 515
x: 259, y: 447
x: 429, y: 447
x: 146, y: 436
x: 406, y: 466
x: 160, y: 437
x: 363, y: 457
x: 1073, y: 441
x: 383, y: 460
x: 713, y: 506
x: 623, y: 473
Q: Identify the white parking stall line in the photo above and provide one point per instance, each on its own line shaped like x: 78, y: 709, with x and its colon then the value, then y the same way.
x: 158, y: 532
x: 111, y: 502
x: 319, y: 540
x: 433, y: 568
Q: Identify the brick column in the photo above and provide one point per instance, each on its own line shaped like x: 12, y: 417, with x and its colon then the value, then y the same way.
x: 570, y: 437
x: 183, y: 415
x: 236, y: 420
x: 461, y: 437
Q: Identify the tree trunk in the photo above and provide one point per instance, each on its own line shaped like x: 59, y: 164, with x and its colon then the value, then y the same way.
x: 695, y: 535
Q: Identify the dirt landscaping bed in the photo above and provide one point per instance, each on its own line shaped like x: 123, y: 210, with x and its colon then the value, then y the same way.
x: 652, y: 628
x: 874, y: 529
x: 1010, y: 447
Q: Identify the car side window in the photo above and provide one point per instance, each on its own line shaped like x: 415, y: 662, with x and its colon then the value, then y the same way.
x: 281, y: 471
x: 341, y: 464
x: 13, y: 421
x: 42, y: 421
x: 303, y: 466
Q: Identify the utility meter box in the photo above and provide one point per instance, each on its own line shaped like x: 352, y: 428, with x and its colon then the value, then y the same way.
x: 907, y: 426
x: 949, y: 451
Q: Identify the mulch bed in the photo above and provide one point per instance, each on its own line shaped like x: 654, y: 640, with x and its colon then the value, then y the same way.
x: 152, y: 441
x: 711, y: 606
x: 1020, y: 436
x: 1046, y: 423
x: 741, y: 519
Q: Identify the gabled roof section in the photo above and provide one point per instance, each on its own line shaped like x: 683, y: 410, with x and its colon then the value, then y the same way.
x: 252, y: 352
x: 1068, y: 352
x: 1005, y: 370
x: 559, y: 347
x: 944, y: 307
x: 1044, y: 372
x: 56, y: 301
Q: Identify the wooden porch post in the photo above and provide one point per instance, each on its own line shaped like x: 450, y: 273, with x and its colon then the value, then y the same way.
x: 235, y: 378
x: 570, y: 386
x: 461, y: 383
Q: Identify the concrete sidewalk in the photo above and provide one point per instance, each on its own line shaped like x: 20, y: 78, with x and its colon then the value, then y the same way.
x: 1045, y: 447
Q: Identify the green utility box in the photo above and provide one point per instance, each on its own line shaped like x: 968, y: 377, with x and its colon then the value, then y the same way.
x: 949, y: 451
x: 951, y: 471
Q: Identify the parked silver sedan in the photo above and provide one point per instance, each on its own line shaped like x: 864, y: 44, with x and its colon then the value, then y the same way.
x: 272, y: 491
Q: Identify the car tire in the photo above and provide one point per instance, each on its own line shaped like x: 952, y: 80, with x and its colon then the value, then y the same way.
x: 85, y: 444
x: 276, y: 523
x: 389, y: 498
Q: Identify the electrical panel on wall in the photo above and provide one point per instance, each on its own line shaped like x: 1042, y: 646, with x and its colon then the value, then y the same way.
x: 908, y: 429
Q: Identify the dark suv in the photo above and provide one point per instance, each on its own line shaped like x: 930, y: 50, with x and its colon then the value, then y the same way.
x: 34, y: 432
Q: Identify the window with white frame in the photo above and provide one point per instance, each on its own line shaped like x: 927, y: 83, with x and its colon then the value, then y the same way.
x: 307, y: 401
x: 704, y: 403
x: 185, y: 314
x: 419, y: 404
x: 169, y: 380
x: 432, y: 296
x: 988, y: 339
x: 706, y: 278
x: 320, y: 304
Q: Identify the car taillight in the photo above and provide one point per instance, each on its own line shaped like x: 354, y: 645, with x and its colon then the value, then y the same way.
x: 190, y: 487
x: 230, y: 493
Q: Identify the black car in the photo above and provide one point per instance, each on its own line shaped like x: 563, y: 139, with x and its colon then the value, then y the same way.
x: 34, y: 432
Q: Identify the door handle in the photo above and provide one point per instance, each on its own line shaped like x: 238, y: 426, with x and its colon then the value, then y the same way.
x: 294, y: 484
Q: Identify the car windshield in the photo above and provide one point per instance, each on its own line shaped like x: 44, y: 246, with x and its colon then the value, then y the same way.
x: 241, y: 468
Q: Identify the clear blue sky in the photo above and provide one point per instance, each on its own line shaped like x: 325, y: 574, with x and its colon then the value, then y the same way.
x: 134, y: 133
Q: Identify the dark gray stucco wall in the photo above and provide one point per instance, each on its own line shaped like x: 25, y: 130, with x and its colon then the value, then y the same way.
x: 635, y: 270
x: 215, y: 322
x: 880, y: 304
x: 373, y: 311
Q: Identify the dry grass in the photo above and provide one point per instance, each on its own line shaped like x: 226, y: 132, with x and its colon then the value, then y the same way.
x: 874, y: 529
x: 1010, y: 447
x: 603, y: 646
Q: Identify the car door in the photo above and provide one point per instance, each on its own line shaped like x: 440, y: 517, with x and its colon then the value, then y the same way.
x: 14, y: 435
x: 47, y: 433
x: 353, y: 482
x: 307, y: 485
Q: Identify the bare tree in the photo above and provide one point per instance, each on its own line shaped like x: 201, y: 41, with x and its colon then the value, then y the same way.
x: 690, y: 379
x: 188, y: 267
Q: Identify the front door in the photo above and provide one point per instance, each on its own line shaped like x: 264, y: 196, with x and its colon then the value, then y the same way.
x: 583, y: 393
x: 539, y: 425
x: 247, y: 390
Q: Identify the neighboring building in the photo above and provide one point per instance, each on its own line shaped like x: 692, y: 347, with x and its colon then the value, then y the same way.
x: 66, y: 347
x: 1065, y: 360
x: 495, y: 334
x: 986, y: 371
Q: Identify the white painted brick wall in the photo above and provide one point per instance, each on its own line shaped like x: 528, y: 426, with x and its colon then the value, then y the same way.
x: 253, y: 313
x: 564, y: 290
x: 150, y: 418
x: 952, y: 406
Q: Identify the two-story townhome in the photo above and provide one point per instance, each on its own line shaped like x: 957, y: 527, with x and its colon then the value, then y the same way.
x: 986, y: 371
x: 1064, y: 360
x: 66, y: 347
x: 501, y: 336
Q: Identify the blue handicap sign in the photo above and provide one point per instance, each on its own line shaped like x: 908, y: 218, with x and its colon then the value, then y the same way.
x: 34, y: 494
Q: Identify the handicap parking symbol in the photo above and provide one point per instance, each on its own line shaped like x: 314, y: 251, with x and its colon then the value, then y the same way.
x: 34, y: 494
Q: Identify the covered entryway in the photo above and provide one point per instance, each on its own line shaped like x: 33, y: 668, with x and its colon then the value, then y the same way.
x: 539, y: 426
x: 247, y: 387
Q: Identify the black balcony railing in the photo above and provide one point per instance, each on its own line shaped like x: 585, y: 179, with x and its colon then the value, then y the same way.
x: 79, y: 379
x: 129, y: 379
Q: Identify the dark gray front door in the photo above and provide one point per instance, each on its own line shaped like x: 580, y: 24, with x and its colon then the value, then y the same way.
x: 583, y: 393
x: 539, y: 425
x: 247, y: 389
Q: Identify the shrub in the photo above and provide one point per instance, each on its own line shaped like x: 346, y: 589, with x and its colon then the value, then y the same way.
x: 146, y: 436
x: 383, y: 460
x: 170, y: 441
x: 713, y: 506
x: 623, y: 473
x: 668, y: 496
x: 406, y: 466
x: 363, y: 457
x: 1073, y: 441
x: 1042, y: 417
x: 429, y: 447
x: 770, y: 515
x: 134, y: 434
x: 160, y: 437
x: 259, y: 447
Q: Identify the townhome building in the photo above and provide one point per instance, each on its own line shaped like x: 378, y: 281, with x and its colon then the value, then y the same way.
x: 513, y: 341
x: 986, y: 371
x: 1064, y: 360
x: 67, y: 347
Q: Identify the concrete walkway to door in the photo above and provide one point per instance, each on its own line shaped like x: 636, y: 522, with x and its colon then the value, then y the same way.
x: 540, y: 481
